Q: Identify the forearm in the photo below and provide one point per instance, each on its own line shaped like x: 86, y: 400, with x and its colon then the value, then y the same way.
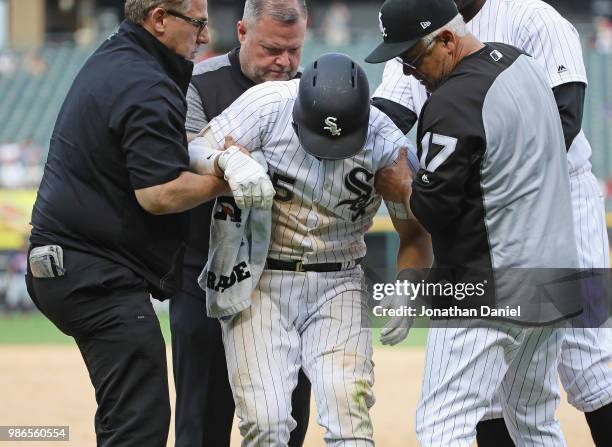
x: 187, y: 191
x: 416, y: 252
x: 193, y: 190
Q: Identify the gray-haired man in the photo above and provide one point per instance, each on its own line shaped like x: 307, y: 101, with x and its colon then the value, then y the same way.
x: 492, y: 156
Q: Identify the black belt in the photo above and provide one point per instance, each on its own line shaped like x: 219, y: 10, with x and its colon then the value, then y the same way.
x: 297, y: 266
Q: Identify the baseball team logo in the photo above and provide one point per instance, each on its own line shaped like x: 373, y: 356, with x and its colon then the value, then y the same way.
x: 332, y: 127
x: 361, y: 188
x: 383, y: 30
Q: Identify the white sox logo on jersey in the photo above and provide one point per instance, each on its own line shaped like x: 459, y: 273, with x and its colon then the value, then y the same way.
x: 332, y: 127
x: 364, y: 192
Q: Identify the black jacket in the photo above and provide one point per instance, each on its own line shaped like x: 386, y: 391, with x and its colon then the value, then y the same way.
x: 121, y: 128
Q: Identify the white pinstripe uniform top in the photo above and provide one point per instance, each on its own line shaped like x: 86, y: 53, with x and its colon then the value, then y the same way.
x: 323, y: 207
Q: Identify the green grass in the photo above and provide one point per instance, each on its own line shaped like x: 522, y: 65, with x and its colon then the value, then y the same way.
x: 29, y: 329
x: 416, y: 338
x: 35, y: 329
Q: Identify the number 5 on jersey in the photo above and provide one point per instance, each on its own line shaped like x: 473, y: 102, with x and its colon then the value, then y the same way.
x: 283, y: 193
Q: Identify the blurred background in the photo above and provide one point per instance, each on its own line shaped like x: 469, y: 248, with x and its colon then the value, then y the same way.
x: 43, y: 43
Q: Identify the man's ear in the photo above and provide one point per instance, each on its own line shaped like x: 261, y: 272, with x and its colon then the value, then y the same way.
x: 449, y: 39
x: 241, y: 30
x: 157, y: 20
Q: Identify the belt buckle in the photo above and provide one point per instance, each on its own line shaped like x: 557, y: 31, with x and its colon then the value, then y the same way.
x: 299, y: 267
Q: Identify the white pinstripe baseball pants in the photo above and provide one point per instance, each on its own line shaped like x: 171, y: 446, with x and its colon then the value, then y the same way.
x: 586, y: 353
x: 312, y: 320
x: 467, y: 361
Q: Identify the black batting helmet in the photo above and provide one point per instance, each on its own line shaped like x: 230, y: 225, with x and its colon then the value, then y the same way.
x: 331, y: 112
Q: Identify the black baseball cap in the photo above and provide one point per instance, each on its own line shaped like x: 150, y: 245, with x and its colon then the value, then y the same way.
x: 404, y: 22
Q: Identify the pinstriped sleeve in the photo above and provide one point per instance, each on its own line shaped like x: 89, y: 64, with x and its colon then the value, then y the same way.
x: 388, y: 140
x: 250, y: 118
x: 555, y: 45
x: 395, y: 86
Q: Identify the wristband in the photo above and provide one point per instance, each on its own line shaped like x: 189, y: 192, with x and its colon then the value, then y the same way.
x: 203, y: 158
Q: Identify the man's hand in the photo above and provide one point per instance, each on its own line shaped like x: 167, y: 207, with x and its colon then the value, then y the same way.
x: 397, y: 328
x: 394, y: 182
x: 248, y: 180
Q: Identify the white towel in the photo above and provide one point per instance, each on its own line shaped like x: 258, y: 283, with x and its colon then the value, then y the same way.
x: 239, y: 243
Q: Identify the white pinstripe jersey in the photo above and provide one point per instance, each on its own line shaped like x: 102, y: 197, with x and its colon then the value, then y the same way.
x: 530, y: 25
x: 322, y: 208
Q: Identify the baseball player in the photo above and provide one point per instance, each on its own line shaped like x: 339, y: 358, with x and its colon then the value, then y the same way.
x: 271, y: 33
x: 540, y: 31
x: 492, y: 162
x: 324, y: 144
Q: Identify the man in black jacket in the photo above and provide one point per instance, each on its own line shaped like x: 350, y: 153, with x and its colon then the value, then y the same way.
x: 108, y: 227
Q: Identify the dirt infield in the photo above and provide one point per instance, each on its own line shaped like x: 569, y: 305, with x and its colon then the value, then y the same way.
x: 48, y: 385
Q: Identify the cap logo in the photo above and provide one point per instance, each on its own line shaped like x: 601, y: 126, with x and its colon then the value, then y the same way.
x: 425, y: 25
x: 332, y: 127
x: 383, y: 30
